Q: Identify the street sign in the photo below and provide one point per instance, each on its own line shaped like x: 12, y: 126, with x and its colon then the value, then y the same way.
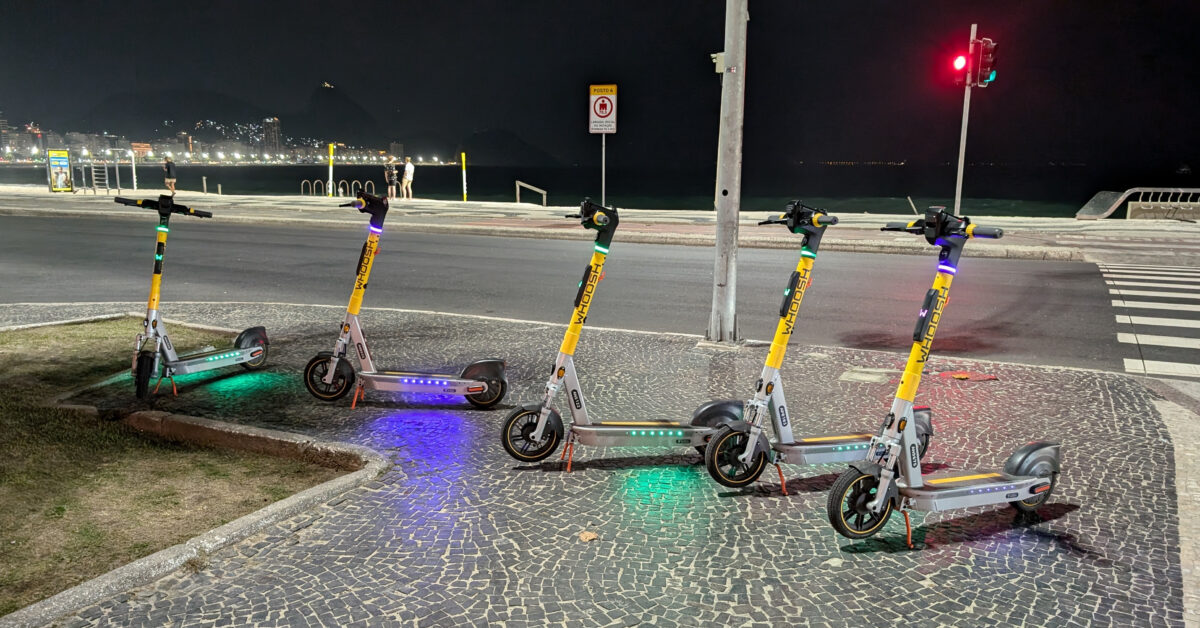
x: 602, y: 109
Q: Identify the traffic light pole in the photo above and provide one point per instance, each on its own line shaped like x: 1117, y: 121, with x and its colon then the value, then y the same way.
x: 962, y: 139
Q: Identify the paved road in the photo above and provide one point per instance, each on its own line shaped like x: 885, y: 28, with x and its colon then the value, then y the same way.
x: 1040, y: 312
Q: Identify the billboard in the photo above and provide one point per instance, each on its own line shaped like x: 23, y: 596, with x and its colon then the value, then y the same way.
x: 58, y: 170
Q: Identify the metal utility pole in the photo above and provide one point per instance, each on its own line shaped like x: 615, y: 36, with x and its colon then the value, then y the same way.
x: 962, y: 138
x: 722, y: 324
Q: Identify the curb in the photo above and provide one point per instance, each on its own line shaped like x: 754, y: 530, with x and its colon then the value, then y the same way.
x: 368, y: 463
x: 1030, y: 252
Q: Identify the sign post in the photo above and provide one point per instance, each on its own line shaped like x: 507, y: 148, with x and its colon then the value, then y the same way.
x: 329, y: 188
x: 602, y: 120
x: 58, y: 170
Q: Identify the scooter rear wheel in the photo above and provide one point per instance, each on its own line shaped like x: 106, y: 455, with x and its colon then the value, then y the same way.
x: 314, y: 376
x: 847, y: 505
x: 492, y: 396
x: 249, y: 339
x: 517, y: 436
x: 142, y: 373
x: 721, y: 459
x: 1035, y: 502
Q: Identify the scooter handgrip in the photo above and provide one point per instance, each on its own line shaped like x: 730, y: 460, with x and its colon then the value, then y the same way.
x: 976, y: 231
x: 354, y: 204
x: 825, y: 219
x: 126, y: 201
x: 895, y: 226
x: 200, y: 213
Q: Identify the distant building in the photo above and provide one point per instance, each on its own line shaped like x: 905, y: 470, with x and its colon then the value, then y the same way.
x: 396, y: 149
x: 3, y: 131
x: 272, y: 143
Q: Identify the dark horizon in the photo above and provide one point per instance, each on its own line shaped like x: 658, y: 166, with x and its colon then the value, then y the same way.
x: 1102, y: 83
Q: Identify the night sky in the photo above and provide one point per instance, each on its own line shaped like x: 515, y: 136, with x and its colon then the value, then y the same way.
x: 1112, y: 82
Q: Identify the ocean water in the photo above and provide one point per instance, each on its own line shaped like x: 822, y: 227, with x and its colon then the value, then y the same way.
x: 1049, y: 190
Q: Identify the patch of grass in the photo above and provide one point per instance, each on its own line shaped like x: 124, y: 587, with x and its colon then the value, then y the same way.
x: 80, y: 495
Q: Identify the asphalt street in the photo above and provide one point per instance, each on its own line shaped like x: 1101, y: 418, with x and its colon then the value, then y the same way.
x: 1037, y: 312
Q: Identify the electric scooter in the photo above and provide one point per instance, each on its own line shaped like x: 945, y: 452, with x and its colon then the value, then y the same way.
x: 153, y: 351
x: 889, y: 477
x: 739, y: 451
x: 329, y: 375
x: 532, y: 432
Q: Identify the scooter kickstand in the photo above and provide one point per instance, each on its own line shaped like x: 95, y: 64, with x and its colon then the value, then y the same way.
x: 174, y: 391
x: 907, y: 529
x: 782, y: 483
x: 358, y: 392
x: 569, y: 451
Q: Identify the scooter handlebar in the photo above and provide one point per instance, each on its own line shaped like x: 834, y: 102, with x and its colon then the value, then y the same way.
x: 976, y: 231
x: 902, y: 226
x: 164, y: 202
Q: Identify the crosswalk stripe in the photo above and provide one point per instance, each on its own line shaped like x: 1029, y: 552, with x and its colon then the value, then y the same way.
x: 1159, y: 341
x: 1150, y: 273
x: 1153, y: 293
x: 1149, y: 284
x: 1155, y: 305
x: 1151, y: 321
x: 1193, y: 280
x: 1153, y: 367
x: 1150, y: 267
x: 1132, y: 245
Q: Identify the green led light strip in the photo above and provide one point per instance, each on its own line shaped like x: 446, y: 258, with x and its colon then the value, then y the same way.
x: 600, y: 249
x: 162, y: 229
x: 805, y: 252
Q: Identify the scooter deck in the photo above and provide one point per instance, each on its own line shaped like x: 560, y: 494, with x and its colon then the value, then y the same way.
x: 825, y: 448
x: 215, y: 359
x: 402, y: 381
x: 641, y: 434
x: 945, y: 490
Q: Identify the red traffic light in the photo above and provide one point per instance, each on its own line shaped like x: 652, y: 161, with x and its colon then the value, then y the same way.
x: 960, y: 62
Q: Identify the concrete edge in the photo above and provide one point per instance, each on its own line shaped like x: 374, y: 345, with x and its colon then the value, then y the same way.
x: 369, y: 463
x: 73, y: 321
x: 1029, y: 252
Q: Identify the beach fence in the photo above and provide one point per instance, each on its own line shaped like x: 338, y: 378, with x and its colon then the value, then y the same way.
x: 1168, y: 203
x: 522, y: 184
x: 316, y: 187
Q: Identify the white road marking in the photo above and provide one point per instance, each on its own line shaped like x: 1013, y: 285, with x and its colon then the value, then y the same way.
x: 1152, y: 293
x: 1153, y: 367
x: 1150, y: 273
x: 1188, y: 280
x: 1154, y: 305
x: 1149, y: 267
x: 1159, y: 341
x: 1151, y: 321
x: 1147, y: 284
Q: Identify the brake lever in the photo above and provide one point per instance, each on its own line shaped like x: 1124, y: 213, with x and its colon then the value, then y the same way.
x: 573, y: 216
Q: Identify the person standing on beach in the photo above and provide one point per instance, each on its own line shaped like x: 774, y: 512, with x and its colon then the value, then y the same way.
x: 169, y: 169
x: 393, y: 181
x: 406, y: 182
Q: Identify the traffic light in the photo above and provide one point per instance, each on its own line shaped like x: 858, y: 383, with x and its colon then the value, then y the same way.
x: 987, y: 62
x: 960, y: 69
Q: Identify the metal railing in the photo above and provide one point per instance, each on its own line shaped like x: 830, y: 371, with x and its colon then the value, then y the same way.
x: 316, y: 187
x: 522, y: 184
x: 1144, y: 203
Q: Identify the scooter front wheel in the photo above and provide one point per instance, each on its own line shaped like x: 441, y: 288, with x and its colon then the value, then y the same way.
x: 721, y: 459
x: 142, y: 374
x: 314, y: 377
x: 517, y: 435
x: 847, y: 505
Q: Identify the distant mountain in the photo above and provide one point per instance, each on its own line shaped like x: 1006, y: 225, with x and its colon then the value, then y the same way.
x: 498, y: 147
x: 162, y: 113
x: 329, y: 115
